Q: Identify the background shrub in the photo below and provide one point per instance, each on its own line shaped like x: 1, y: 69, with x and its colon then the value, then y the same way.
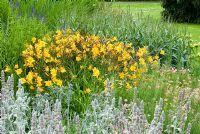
x: 182, y: 10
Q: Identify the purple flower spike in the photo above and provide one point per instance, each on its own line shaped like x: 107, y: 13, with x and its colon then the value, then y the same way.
x: 17, y: 4
x: 18, y: 15
x: 33, y: 11
x: 40, y: 17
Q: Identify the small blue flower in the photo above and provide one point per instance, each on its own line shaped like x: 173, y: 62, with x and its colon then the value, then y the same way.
x: 17, y: 4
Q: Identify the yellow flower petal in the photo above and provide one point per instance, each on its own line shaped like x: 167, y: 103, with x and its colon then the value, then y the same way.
x: 33, y: 39
x: 95, y: 72
x: 8, y: 69
x: 87, y: 90
x: 48, y: 83
x: 162, y: 52
x: 23, y: 80
x: 16, y: 66
x: 18, y: 71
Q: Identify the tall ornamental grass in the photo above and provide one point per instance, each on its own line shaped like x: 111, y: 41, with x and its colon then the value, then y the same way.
x: 140, y: 31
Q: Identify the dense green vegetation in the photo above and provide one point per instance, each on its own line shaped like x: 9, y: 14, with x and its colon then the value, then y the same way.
x: 154, y: 9
x: 140, y: 33
x: 28, y: 23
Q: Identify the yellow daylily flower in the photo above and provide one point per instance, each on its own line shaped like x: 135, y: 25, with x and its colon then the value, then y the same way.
x: 18, y: 71
x: 48, y: 83
x: 95, y: 72
x: 8, y: 69
x: 87, y: 90
x: 162, y: 52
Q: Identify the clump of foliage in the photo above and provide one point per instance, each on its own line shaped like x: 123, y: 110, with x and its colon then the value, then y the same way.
x: 140, y: 31
x: 69, y: 56
x: 36, y: 18
x: 20, y: 20
x: 182, y: 10
x: 106, y: 114
x: 194, y: 58
x: 17, y: 116
x: 52, y: 11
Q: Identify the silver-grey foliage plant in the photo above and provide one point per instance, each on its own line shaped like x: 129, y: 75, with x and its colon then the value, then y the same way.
x: 102, y: 117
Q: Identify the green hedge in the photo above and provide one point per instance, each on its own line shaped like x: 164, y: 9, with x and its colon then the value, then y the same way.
x: 182, y: 10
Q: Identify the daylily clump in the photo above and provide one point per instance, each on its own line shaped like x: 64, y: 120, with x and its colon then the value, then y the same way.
x: 67, y: 55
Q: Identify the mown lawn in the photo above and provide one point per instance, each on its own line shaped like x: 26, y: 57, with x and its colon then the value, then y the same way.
x: 154, y: 9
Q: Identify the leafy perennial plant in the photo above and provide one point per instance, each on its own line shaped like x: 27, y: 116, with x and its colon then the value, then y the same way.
x: 69, y: 56
x: 106, y: 114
